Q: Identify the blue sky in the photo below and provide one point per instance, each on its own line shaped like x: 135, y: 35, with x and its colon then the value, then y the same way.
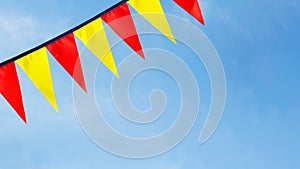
x: 258, y: 44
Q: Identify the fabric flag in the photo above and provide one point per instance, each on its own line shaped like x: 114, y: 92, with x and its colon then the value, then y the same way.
x: 153, y: 12
x: 121, y: 22
x: 192, y: 7
x: 66, y: 54
x: 93, y: 36
x: 36, y: 66
x: 10, y: 88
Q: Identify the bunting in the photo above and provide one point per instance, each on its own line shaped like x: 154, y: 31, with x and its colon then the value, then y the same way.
x: 36, y: 66
x: 66, y: 54
x: 10, y: 88
x: 92, y: 34
x: 153, y: 12
x: 119, y: 17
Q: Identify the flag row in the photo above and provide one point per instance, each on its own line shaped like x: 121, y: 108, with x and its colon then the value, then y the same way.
x: 64, y: 50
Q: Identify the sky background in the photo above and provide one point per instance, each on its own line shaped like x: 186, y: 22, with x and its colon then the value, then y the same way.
x: 258, y: 43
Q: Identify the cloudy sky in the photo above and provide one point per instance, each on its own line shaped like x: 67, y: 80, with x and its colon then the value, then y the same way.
x: 258, y: 43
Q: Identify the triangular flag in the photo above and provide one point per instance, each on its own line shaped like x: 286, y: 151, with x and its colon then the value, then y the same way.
x: 121, y: 22
x: 66, y: 54
x: 36, y: 66
x: 93, y: 36
x: 153, y: 12
x: 192, y: 7
x: 10, y: 89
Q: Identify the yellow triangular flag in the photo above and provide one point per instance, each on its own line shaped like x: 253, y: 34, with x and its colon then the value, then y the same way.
x: 36, y: 66
x: 153, y: 12
x: 93, y: 36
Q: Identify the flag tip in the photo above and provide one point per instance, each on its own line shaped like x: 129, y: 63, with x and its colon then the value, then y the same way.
x: 141, y: 54
x: 83, y: 87
x: 24, y: 119
x: 117, y: 74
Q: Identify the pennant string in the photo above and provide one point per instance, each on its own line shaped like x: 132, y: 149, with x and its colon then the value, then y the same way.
x: 35, y: 64
x: 63, y: 48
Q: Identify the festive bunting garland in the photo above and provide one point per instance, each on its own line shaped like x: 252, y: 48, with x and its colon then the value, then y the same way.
x: 63, y: 48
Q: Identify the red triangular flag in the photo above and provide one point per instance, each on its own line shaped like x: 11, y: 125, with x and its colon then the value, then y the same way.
x: 192, y: 7
x: 10, y: 88
x: 121, y: 22
x: 65, y: 52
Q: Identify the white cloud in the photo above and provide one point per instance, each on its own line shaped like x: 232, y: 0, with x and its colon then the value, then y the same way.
x: 14, y: 26
x: 21, y: 32
x: 16, y: 32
